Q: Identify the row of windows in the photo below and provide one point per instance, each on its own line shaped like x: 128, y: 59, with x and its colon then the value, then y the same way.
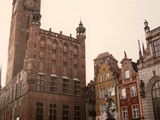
x: 111, y: 91
x: 105, y: 77
x: 133, y: 92
x: 123, y: 93
x: 53, y: 85
x: 135, y: 112
x: 53, y: 112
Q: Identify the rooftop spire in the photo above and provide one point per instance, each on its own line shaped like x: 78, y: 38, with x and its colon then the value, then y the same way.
x: 146, y: 27
x: 144, y: 51
x: 140, y: 53
x: 125, y: 55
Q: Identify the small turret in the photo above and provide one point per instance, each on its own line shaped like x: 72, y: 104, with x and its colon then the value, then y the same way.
x: 146, y: 27
x: 36, y: 15
x: 81, y: 31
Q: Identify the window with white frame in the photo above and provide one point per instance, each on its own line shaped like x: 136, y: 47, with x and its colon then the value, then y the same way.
x: 102, y: 93
x: 111, y: 90
x: 133, y: 91
x: 103, y: 109
x: 126, y: 73
x: 135, y: 111
x: 102, y: 78
x: 107, y: 76
x: 123, y: 93
x: 124, y: 113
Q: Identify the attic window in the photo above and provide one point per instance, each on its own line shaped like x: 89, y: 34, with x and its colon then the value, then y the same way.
x: 126, y: 73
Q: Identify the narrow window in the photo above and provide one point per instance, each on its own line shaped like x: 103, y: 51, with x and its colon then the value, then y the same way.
x: 53, y: 84
x: 40, y: 82
x: 133, y: 91
x: 39, y: 111
x: 52, y: 112
x: 124, y: 113
x: 65, y: 112
x: 123, y: 93
x: 135, y: 111
x: 77, y: 113
x: 77, y: 88
x: 102, y: 93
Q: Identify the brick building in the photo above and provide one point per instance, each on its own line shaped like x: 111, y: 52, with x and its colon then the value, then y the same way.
x: 105, y: 65
x: 149, y: 73
x: 128, y: 91
x: 45, y: 71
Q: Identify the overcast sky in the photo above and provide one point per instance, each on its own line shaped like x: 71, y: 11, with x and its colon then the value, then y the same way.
x: 111, y: 25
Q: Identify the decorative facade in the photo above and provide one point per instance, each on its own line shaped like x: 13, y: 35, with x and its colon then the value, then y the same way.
x: 149, y: 73
x: 128, y: 91
x: 105, y: 66
x: 46, y: 70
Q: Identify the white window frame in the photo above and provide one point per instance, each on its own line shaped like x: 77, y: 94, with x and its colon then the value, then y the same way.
x: 126, y: 74
x: 124, y: 112
x: 133, y: 91
x: 107, y: 76
x: 135, y: 111
x: 123, y: 93
x: 103, y: 109
x: 111, y: 90
x: 102, y: 93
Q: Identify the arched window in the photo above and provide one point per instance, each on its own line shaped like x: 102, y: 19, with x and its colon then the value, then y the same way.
x: 156, y: 99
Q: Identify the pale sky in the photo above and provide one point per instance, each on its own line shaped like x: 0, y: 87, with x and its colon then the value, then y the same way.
x: 111, y: 25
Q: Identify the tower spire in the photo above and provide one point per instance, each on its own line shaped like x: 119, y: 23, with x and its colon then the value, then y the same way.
x: 144, y: 51
x: 140, y: 53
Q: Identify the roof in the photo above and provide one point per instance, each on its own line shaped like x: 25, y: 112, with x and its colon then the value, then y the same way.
x: 104, y: 55
x: 134, y: 65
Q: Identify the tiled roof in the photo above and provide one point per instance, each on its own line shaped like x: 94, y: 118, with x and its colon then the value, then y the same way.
x: 103, y: 55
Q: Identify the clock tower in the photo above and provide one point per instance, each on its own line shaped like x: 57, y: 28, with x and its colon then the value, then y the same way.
x: 19, y: 32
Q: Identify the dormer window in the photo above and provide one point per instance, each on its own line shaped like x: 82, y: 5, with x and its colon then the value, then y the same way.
x: 126, y: 74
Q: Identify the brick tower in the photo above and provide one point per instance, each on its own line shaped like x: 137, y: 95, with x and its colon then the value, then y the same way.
x: 46, y: 70
x: 19, y: 33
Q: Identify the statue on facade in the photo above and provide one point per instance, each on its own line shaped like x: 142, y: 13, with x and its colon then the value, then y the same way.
x: 110, y: 108
x: 142, y: 86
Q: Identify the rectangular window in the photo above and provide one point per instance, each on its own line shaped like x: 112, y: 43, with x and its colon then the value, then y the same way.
x: 77, y: 87
x: 102, y: 78
x: 103, y: 109
x: 156, y: 45
x: 127, y: 74
x: 107, y: 76
x: 102, y: 93
x: 65, y: 86
x: 135, y: 111
x: 53, y: 84
x: 40, y: 82
x: 77, y: 113
x: 39, y: 111
x: 133, y: 91
x: 111, y: 90
x: 52, y: 112
x: 123, y: 93
x: 65, y: 112
x: 124, y: 113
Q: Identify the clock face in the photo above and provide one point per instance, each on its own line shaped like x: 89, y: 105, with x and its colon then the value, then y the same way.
x: 29, y: 4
